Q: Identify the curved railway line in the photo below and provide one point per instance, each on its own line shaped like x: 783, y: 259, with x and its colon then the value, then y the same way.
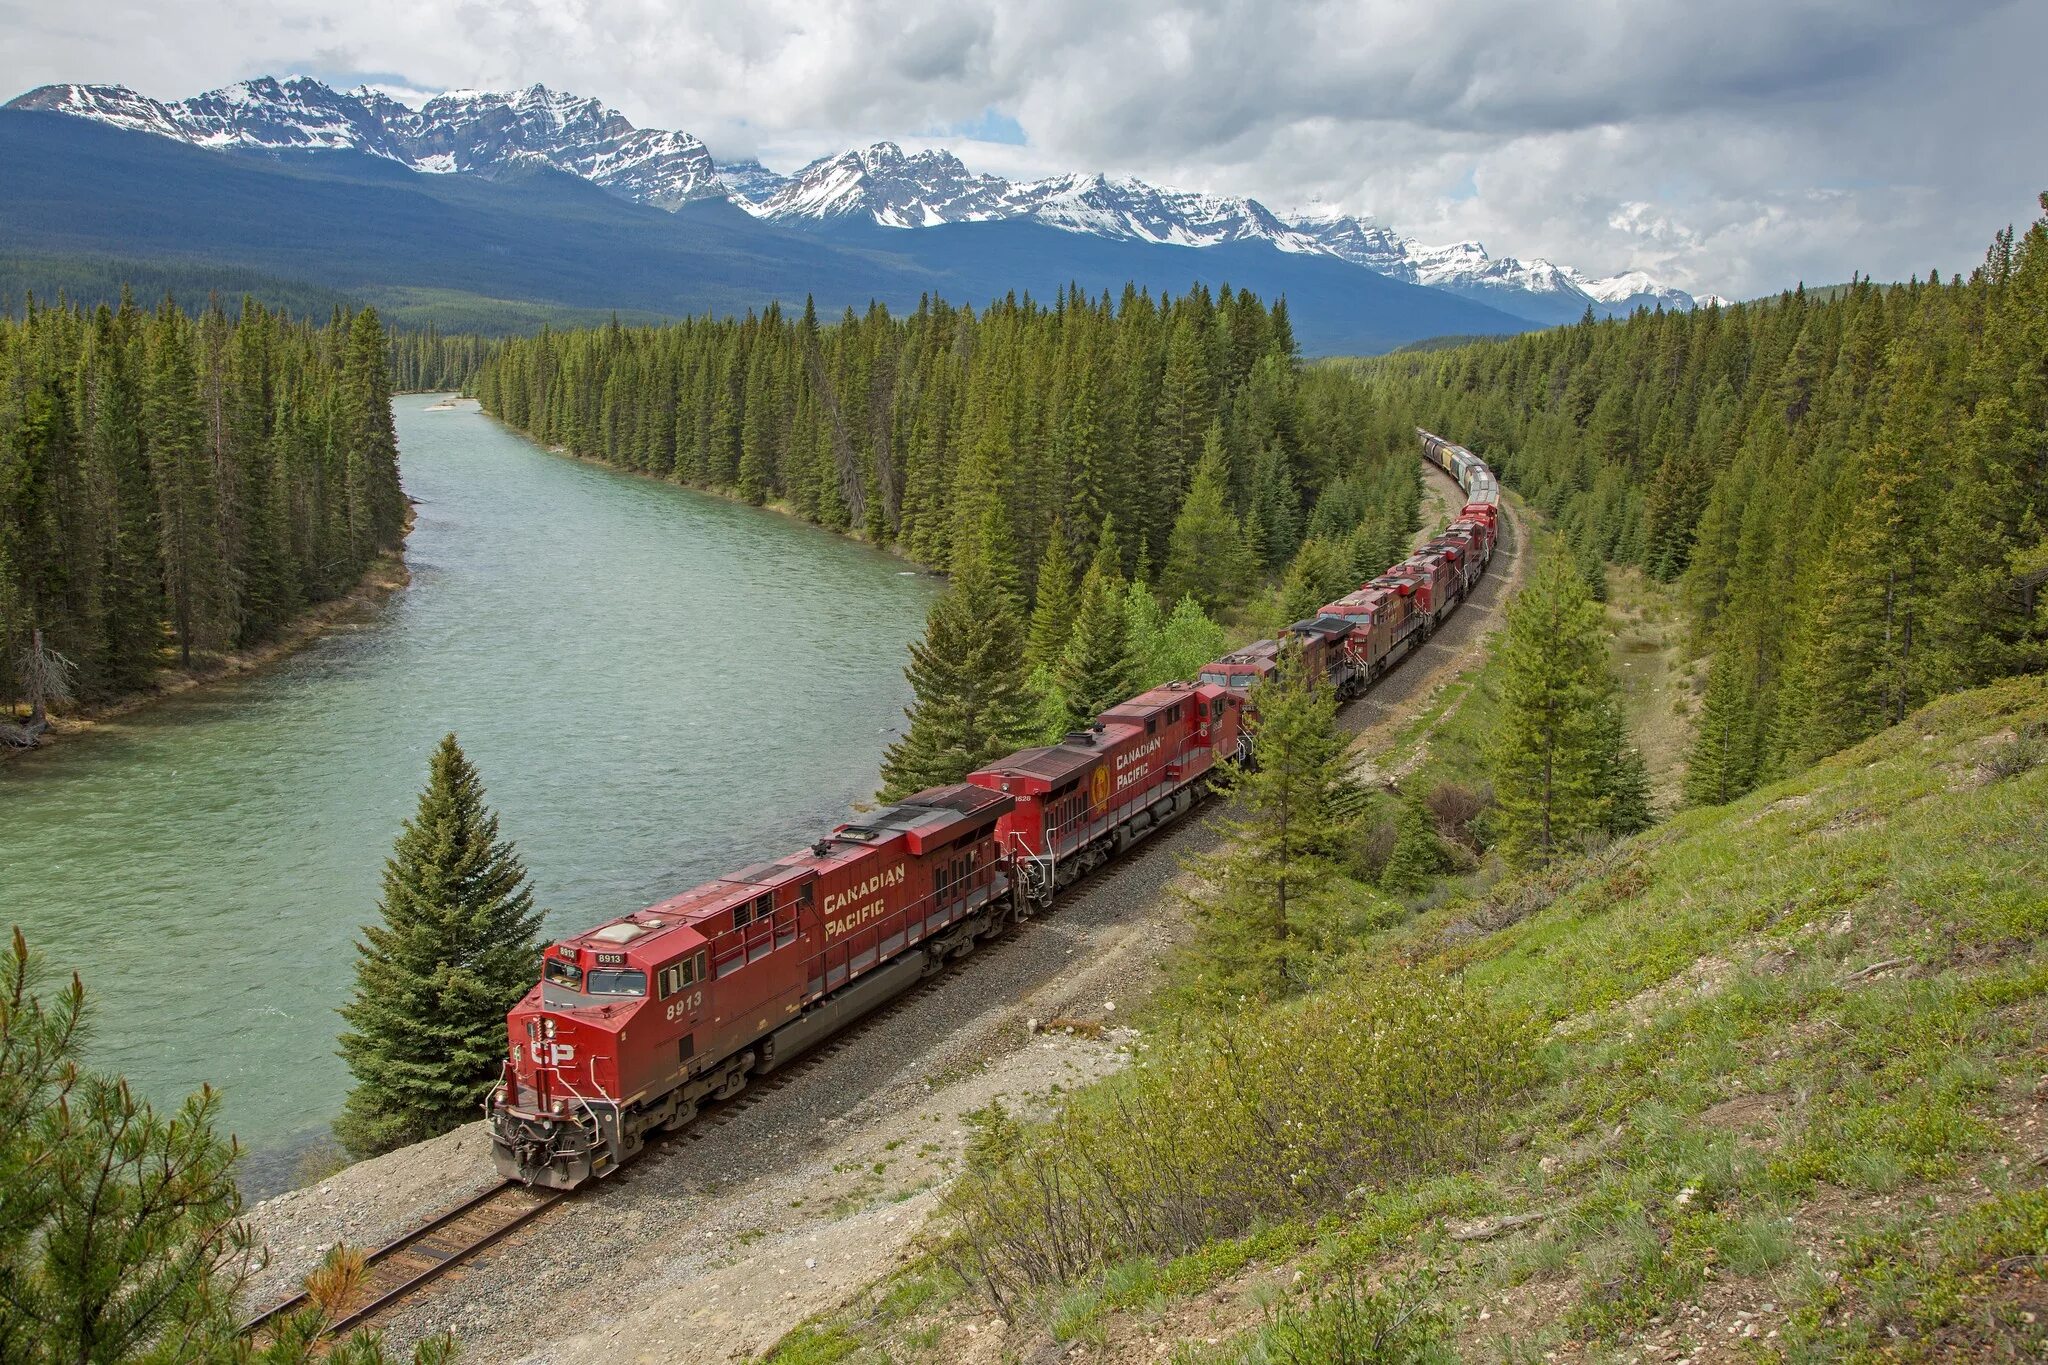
x: 408, y: 1264
x: 404, y: 1267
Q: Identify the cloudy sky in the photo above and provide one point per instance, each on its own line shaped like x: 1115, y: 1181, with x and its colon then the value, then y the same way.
x: 1736, y: 146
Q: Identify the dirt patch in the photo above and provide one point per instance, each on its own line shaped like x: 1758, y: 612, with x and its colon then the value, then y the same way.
x: 1758, y: 1117
x: 760, y: 1259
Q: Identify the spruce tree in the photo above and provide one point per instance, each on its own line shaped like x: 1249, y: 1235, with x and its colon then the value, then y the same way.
x: 1266, y: 889
x: 1721, y: 763
x: 1870, y: 662
x: 1418, y: 854
x: 1206, y: 556
x: 1553, y: 741
x: 968, y: 675
x: 1320, y: 574
x: 1098, y: 670
x: 1624, y: 779
x: 1054, y: 604
x: 456, y: 948
x: 187, y: 510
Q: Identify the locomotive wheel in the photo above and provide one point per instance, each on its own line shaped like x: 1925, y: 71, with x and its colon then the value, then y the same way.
x: 734, y: 1082
x: 684, y: 1116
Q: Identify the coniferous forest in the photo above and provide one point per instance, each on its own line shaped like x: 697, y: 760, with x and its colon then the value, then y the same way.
x: 1850, y: 489
x: 1075, y: 415
x: 174, y: 486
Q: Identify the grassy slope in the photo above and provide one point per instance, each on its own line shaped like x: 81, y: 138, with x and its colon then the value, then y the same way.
x: 1794, y: 1109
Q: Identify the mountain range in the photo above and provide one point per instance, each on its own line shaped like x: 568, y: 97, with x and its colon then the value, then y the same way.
x: 867, y: 209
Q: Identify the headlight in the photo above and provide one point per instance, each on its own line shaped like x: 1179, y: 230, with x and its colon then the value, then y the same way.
x: 547, y: 1028
x: 560, y: 1107
x: 502, y: 1096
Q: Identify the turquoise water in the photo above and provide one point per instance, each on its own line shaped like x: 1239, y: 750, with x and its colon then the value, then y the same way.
x: 656, y: 686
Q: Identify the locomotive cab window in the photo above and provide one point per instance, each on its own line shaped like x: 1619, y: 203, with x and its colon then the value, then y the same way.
x: 562, y: 973
x: 615, y: 981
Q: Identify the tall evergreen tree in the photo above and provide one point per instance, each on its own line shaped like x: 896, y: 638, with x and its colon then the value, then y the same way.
x: 1870, y: 659
x: 1320, y: 574
x: 1098, y: 670
x: 1054, y: 605
x: 1553, y: 742
x: 1264, y: 891
x: 968, y: 676
x: 1206, y: 555
x: 1721, y: 764
x: 456, y: 947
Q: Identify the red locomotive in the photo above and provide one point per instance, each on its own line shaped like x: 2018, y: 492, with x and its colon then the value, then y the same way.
x: 638, y: 1022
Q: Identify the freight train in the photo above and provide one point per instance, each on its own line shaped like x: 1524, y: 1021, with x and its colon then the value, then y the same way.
x: 637, y: 1023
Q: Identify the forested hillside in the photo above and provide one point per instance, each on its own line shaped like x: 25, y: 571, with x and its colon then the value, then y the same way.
x: 174, y: 486
x: 1073, y: 415
x: 1850, y: 490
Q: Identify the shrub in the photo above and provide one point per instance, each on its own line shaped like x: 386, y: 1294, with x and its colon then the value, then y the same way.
x: 1356, y: 1325
x: 1260, y: 1119
x: 1454, y: 807
x: 1371, y: 846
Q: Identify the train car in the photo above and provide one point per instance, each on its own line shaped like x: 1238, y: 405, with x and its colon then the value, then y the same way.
x: 638, y: 1021
x: 1471, y: 472
x: 1244, y: 669
x: 1324, y: 642
x: 1469, y: 539
x: 1484, y: 520
x: 1437, y: 581
x: 1084, y: 800
x: 1386, y: 623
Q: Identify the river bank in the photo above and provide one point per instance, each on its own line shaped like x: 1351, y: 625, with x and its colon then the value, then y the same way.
x: 657, y: 686
x: 386, y: 575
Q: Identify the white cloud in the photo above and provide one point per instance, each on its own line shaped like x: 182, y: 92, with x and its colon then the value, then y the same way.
x: 1737, y: 147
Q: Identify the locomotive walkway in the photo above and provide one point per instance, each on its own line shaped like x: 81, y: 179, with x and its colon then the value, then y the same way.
x: 784, y: 1200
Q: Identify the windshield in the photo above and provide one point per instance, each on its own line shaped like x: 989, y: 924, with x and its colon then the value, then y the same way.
x: 616, y: 981
x: 567, y: 973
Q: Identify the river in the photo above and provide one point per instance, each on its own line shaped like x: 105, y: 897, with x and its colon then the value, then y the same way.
x: 656, y: 685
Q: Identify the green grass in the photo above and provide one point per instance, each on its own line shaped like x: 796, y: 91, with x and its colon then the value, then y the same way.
x: 1789, y: 1051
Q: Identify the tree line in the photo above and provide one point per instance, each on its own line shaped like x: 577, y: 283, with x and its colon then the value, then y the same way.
x: 902, y: 429
x: 1103, y: 478
x: 427, y: 360
x: 1848, y: 488
x: 174, y: 486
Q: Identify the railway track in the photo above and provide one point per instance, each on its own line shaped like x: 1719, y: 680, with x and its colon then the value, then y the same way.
x: 394, y: 1271
x: 404, y: 1266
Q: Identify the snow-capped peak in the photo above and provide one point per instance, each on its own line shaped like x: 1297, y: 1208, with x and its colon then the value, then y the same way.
x: 485, y: 132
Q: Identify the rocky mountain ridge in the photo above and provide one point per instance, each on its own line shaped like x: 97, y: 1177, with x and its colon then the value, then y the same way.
x: 489, y: 132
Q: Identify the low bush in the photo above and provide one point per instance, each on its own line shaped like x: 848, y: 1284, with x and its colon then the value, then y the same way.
x: 1258, y: 1120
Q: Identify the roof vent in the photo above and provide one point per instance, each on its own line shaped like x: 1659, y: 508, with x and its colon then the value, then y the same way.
x: 822, y: 849
x: 1079, y: 737
x: 1097, y: 727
